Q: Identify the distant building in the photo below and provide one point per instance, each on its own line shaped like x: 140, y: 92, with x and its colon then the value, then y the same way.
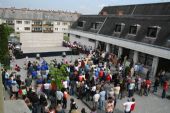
x: 25, y: 20
x: 140, y: 32
x: 38, y: 28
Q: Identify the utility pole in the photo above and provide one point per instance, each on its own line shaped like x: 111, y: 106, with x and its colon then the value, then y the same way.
x: 1, y: 92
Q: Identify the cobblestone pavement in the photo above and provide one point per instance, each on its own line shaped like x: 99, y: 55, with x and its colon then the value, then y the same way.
x: 151, y: 104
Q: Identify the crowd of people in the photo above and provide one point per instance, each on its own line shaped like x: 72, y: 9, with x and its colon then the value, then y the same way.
x: 99, y: 77
x: 77, y: 47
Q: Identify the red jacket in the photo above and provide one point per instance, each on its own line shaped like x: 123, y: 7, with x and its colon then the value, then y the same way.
x: 165, y: 86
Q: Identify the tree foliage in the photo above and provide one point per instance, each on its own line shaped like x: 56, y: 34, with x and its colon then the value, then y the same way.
x: 5, y: 31
x: 59, y: 75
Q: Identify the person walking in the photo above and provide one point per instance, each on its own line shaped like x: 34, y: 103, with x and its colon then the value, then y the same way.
x: 165, y: 89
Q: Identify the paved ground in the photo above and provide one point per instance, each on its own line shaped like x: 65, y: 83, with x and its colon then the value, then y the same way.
x: 20, y: 62
x: 150, y: 104
x: 44, y: 49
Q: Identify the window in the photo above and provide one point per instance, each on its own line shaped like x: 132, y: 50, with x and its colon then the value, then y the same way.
x: 58, y: 23
x: 80, y: 24
x: 119, y: 27
x: 26, y: 22
x: 27, y: 28
x: 64, y: 23
x: 39, y: 29
x: 37, y: 22
x: 77, y: 36
x: 96, y: 25
x: 17, y: 28
x: 133, y: 30
x: 153, y: 31
x: 10, y: 22
x: 19, y: 22
x: 56, y: 29
x: 63, y: 29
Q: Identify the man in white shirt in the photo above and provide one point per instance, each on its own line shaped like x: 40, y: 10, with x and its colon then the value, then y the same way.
x: 127, y: 106
x: 96, y: 99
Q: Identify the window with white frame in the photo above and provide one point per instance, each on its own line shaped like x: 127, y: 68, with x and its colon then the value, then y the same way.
x: 96, y: 25
x: 64, y: 23
x: 153, y: 31
x: 134, y: 29
x: 27, y: 28
x: 119, y: 27
x: 26, y: 22
x: 58, y: 23
x: 19, y: 22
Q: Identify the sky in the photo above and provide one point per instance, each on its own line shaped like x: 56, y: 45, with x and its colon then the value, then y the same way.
x: 81, y: 6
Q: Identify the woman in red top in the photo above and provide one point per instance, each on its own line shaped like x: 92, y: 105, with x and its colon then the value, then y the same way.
x: 165, y: 89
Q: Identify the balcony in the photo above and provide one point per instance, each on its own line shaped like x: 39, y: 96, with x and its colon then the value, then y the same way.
x: 46, y: 25
x: 47, y: 31
x: 36, y: 24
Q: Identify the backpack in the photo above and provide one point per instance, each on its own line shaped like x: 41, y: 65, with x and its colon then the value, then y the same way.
x: 65, y: 95
x: 132, y: 107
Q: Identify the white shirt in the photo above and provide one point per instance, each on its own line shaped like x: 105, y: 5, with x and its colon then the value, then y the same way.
x: 76, y: 68
x: 127, y: 106
x: 96, y: 97
x: 46, y: 86
x: 65, y: 84
x: 93, y: 88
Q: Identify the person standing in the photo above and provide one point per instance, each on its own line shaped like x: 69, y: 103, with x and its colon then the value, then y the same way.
x: 109, y: 108
x: 156, y: 84
x: 59, y: 97
x: 102, y: 98
x: 127, y: 106
x: 165, y: 89
x: 96, y: 100
x: 131, y: 88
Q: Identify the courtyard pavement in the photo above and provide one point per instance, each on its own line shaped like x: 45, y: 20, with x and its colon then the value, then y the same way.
x: 150, y: 104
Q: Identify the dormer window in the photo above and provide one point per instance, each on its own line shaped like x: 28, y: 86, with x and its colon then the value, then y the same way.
x: 96, y: 25
x: 134, y: 29
x: 81, y: 23
x: 119, y: 27
x: 153, y: 31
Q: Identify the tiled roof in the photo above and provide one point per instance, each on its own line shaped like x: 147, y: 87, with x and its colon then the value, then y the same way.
x: 139, y: 9
x: 26, y: 14
x: 145, y: 21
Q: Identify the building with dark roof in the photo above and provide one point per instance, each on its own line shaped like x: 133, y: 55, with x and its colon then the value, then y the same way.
x: 139, y: 31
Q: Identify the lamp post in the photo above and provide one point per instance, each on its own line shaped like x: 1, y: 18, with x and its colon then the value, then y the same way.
x: 1, y: 92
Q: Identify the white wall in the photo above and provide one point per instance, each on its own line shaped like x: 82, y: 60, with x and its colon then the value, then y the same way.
x: 41, y: 39
x: 22, y: 26
x: 60, y: 27
x: 133, y: 45
x: 82, y: 40
x: 2, y: 21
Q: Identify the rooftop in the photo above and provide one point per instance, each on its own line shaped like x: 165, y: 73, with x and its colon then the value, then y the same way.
x: 37, y: 14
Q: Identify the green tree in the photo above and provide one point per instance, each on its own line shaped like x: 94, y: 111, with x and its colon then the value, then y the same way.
x: 59, y: 75
x: 5, y: 31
